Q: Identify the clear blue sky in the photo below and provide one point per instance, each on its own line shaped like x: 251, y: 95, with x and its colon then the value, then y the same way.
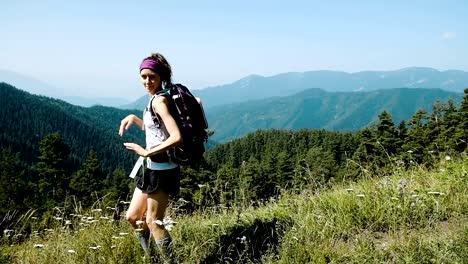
x: 93, y: 48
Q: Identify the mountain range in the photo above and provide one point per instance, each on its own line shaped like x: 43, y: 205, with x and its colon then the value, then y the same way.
x: 319, y: 109
x: 256, y: 87
x: 320, y: 99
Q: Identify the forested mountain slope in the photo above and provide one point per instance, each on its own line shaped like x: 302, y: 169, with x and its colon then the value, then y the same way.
x: 25, y: 119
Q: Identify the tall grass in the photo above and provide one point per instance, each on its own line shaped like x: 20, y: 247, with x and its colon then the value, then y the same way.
x: 410, y: 216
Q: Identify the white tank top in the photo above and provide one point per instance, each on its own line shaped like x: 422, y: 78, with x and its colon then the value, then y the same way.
x: 155, y: 135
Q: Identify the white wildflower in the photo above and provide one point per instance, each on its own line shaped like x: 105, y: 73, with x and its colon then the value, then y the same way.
x: 96, y: 210
x: 123, y: 233
x: 96, y: 247
x: 402, y: 183
x: 113, y: 246
x: 414, y: 195
x: 68, y: 222
x: 447, y: 158
x: 201, y: 185
x: 394, y: 198
x: 360, y: 195
x: 6, y: 231
x: 38, y: 245
x: 349, y: 190
x: 139, y: 229
x: 435, y: 193
x: 105, y: 217
x: 58, y: 218
x: 71, y: 251
x: 168, y: 221
x: 409, y: 151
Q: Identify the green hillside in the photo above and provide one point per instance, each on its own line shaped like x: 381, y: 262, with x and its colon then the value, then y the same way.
x: 26, y: 119
x: 315, y: 108
x: 408, y: 216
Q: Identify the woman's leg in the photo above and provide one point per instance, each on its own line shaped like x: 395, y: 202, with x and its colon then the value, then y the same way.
x: 157, y: 204
x: 136, y: 212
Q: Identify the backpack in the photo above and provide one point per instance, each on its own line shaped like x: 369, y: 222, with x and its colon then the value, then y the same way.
x: 187, y: 111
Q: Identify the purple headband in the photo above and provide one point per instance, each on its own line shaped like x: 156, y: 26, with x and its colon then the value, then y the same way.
x: 153, y: 65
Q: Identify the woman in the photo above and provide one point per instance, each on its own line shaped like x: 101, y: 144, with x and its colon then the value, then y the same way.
x: 161, y: 178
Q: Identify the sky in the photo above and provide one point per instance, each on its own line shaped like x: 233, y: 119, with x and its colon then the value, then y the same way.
x: 93, y: 48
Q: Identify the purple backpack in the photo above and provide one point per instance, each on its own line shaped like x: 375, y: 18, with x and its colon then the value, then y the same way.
x: 188, y: 113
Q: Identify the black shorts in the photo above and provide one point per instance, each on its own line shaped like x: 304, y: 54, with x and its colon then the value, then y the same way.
x: 164, y: 180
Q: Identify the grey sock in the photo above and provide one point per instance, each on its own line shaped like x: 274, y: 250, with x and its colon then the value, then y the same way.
x: 143, y: 237
x: 166, y: 248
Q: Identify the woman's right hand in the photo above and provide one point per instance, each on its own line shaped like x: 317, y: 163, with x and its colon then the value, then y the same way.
x: 126, y: 123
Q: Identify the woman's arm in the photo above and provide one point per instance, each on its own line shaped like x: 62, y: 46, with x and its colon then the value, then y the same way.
x: 128, y: 121
x: 161, y: 106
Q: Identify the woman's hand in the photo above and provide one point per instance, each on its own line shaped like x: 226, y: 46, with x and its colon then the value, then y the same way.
x: 137, y: 149
x: 127, y: 122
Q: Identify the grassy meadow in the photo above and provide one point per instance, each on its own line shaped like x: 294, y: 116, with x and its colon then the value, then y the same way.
x: 411, y: 215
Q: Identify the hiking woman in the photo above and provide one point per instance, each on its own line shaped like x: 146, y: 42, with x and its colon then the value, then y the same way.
x: 161, y: 177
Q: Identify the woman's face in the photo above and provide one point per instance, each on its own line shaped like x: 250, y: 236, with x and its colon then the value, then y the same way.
x: 150, y: 80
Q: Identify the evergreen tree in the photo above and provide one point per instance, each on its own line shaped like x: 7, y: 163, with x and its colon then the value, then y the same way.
x: 320, y: 167
x: 13, y: 188
x: 118, y: 185
x: 417, y: 139
x: 461, y: 134
x: 451, y: 119
x: 87, y: 182
x: 365, y: 153
x: 52, y: 172
x: 386, y: 135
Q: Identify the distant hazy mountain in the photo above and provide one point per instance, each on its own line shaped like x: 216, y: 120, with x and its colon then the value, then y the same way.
x: 316, y: 108
x: 38, y: 87
x: 255, y: 87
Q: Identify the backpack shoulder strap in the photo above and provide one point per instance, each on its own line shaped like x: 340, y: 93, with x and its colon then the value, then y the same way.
x: 154, y: 116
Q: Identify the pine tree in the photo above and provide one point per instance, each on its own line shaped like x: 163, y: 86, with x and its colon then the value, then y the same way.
x: 417, y: 140
x: 386, y: 135
x: 52, y: 170
x: 320, y: 166
x: 87, y: 182
x: 461, y: 133
x: 118, y: 185
x: 13, y: 188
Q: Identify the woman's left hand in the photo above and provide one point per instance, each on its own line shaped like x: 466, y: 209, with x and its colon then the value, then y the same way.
x: 137, y: 149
